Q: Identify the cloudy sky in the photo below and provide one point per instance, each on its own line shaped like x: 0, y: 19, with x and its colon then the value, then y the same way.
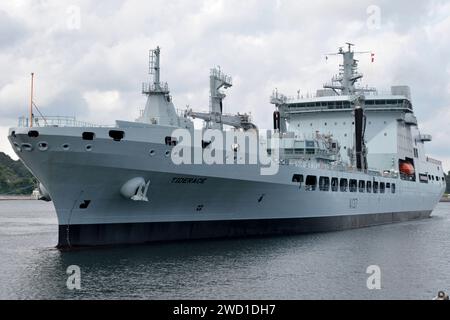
x: 90, y: 57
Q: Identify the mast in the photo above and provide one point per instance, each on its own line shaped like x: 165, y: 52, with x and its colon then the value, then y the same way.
x: 215, y: 119
x: 31, y: 100
x: 157, y: 87
x: 344, y: 82
x: 217, y: 81
x: 154, y: 65
x: 159, y: 108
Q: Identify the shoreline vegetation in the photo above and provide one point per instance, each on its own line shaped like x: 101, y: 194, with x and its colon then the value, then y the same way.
x: 15, y: 179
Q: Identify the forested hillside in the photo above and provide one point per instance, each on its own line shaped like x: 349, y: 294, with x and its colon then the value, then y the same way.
x: 15, y: 179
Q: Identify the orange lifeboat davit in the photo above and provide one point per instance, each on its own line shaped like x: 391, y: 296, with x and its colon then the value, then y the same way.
x: 407, y: 168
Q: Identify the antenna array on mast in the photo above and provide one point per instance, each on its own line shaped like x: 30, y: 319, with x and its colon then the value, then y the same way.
x: 344, y: 83
x: 154, y: 70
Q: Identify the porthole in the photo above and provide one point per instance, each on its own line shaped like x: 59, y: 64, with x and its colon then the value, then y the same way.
x: 167, y: 153
x: 152, y: 153
x: 27, y: 147
x: 89, y: 147
x: 43, y: 146
x: 18, y: 148
x: 66, y: 147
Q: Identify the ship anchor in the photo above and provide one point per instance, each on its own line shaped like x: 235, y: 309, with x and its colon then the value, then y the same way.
x: 141, y: 194
x: 136, y: 189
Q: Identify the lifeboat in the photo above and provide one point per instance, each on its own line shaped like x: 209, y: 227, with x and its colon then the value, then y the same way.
x: 407, y: 168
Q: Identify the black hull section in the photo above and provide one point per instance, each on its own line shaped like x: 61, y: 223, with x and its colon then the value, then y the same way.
x: 134, y: 233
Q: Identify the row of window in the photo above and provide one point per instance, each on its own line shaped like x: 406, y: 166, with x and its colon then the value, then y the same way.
x: 344, y: 185
x: 424, y: 178
x: 347, y: 104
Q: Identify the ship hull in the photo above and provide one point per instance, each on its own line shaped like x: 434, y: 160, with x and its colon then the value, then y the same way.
x: 196, y: 201
x: 87, y: 235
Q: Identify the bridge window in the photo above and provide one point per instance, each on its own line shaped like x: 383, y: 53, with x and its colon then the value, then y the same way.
x: 393, y: 188
x: 375, y: 187
x: 297, y: 178
x: 324, y: 184
x: 353, y: 185
x: 311, y: 183
x: 362, y: 186
x: 369, y: 186
x: 334, y: 184
x: 382, y: 187
x: 343, y: 185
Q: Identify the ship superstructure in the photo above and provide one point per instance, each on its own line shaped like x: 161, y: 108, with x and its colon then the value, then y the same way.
x: 348, y: 157
x: 376, y: 131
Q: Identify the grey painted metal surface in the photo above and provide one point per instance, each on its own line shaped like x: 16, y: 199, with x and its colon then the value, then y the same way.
x: 85, y: 169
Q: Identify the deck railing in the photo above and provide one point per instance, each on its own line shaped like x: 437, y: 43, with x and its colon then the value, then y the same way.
x: 55, y: 121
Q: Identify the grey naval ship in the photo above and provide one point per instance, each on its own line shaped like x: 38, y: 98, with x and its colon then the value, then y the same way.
x: 347, y: 157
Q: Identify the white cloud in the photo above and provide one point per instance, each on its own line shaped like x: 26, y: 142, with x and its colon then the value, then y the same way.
x: 4, y: 143
x: 95, y: 71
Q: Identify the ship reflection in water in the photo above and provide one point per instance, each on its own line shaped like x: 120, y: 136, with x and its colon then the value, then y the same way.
x: 413, y: 258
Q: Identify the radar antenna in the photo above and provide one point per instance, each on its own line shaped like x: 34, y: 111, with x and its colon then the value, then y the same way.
x: 344, y: 82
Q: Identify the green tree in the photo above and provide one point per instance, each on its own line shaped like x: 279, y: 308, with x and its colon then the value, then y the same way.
x: 15, y: 178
